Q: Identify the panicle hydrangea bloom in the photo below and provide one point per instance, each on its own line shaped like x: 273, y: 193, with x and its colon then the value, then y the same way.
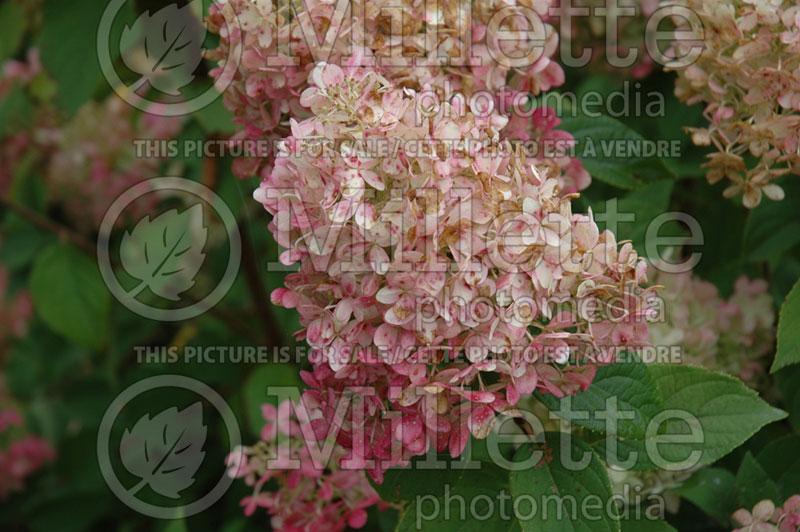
x: 431, y: 257
x: 766, y: 518
x: 92, y: 158
x: 426, y: 50
x: 589, y: 32
x: 21, y: 454
x: 732, y: 335
x: 88, y: 160
x: 748, y: 78
x: 311, y: 497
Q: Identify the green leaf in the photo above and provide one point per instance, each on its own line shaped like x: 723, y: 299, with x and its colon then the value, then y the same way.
x: 781, y: 462
x: 788, y: 332
x: 729, y: 411
x: 467, y: 501
x: 69, y: 294
x: 629, y: 383
x: 579, y: 497
x: 754, y: 485
x: 773, y: 227
x: 22, y: 241
x: 786, y: 382
x: 712, y: 490
x: 722, y: 411
x: 597, y: 143
x: 70, y: 55
x: 402, y: 484
x: 12, y: 28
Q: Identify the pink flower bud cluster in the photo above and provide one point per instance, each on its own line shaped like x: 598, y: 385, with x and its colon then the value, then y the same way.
x: 311, y: 496
x: 589, y: 31
x: 765, y: 517
x: 451, y: 49
x: 733, y: 335
x: 434, y: 279
x: 748, y: 78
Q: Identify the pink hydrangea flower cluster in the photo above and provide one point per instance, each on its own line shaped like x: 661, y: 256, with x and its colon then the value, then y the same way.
x: 748, y: 78
x: 92, y: 157
x: 439, y: 271
x: 765, y: 517
x: 734, y: 335
x: 589, y: 32
x: 21, y: 454
x: 411, y: 43
x: 88, y: 160
x: 311, y: 496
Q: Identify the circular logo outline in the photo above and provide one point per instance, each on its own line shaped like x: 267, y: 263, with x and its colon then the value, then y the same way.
x: 166, y: 109
x: 104, y: 439
x: 184, y: 185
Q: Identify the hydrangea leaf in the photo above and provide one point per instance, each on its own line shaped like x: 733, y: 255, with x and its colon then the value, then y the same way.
x: 465, y: 500
x: 754, y: 485
x: 69, y: 294
x: 723, y: 413
x: 598, y: 144
x: 712, y: 490
x: 567, y: 492
x: 788, y: 332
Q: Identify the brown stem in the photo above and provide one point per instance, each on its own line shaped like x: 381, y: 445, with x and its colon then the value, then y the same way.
x: 52, y: 226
